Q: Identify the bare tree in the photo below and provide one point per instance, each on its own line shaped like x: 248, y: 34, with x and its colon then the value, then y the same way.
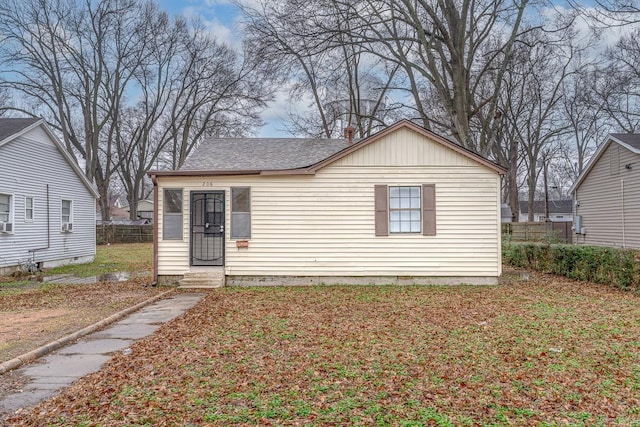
x: 343, y: 83
x: 72, y: 63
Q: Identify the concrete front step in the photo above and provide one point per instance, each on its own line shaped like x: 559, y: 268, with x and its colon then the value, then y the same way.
x: 203, y: 279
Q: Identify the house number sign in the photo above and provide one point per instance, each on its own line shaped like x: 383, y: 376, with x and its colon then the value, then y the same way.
x: 207, y: 184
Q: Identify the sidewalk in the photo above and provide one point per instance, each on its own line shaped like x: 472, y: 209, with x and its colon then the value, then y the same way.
x: 47, y: 376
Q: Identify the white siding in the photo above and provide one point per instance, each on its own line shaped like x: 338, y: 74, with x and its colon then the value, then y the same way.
x: 323, y: 224
x: 603, y: 205
x: 27, y: 165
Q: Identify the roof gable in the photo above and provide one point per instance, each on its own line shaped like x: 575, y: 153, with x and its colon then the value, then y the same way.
x: 629, y: 141
x: 242, y: 156
x: 17, y: 127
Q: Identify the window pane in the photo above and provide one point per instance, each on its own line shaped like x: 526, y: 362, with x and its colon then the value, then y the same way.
x: 5, y: 205
x: 28, y: 209
x: 240, y: 225
x: 172, y: 226
x: 66, y: 211
x: 240, y: 201
x: 404, y: 209
x: 172, y: 201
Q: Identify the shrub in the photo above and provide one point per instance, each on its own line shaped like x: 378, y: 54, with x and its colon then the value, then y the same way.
x: 597, y: 264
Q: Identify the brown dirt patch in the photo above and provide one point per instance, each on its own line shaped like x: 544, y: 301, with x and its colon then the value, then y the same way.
x: 38, y: 315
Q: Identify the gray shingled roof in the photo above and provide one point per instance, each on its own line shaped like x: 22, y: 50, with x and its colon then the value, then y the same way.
x: 555, y: 206
x: 261, y: 153
x: 632, y: 139
x: 11, y: 126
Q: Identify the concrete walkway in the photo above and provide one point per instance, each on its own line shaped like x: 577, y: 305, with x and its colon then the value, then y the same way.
x: 61, y: 368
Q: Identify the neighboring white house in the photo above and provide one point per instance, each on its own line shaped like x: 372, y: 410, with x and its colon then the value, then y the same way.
x: 559, y: 211
x: 606, y: 196
x: 47, y: 214
x: 402, y: 206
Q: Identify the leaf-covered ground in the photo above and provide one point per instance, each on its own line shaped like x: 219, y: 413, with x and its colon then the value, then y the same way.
x: 548, y: 351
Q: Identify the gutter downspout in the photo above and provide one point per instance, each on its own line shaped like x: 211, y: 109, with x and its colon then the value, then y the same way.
x: 624, y: 241
x: 154, y: 180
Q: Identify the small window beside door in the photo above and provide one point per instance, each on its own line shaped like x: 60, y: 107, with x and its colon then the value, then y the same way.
x: 172, y: 223
x: 240, y: 212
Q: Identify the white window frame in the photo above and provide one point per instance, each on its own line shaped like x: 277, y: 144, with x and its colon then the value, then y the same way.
x: 10, y: 215
x: 62, y: 215
x: 401, y: 206
x: 33, y: 209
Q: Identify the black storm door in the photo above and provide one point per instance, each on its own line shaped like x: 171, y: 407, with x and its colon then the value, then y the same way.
x: 207, y: 228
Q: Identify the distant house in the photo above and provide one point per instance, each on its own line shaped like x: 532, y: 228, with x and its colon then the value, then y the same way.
x: 559, y: 211
x: 607, y: 195
x: 404, y: 205
x: 145, y: 210
x: 505, y: 213
x: 47, y: 206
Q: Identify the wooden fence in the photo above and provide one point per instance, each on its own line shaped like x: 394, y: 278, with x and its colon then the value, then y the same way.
x: 110, y: 233
x: 552, y: 232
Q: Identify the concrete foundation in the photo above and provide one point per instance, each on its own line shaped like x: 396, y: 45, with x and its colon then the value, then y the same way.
x: 355, y: 280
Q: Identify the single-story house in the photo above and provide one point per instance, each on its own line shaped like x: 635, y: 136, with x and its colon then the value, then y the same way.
x: 606, y: 195
x: 47, y: 205
x: 404, y: 205
x: 559, y: 211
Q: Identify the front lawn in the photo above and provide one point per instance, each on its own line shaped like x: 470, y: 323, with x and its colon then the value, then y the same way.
x: 548, y: 351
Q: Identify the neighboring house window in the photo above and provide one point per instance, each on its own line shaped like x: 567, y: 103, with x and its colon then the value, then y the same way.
x: 240, y: 212
x: 6, y: 208
x: 28, y: 209
x: 172, y: 223
x: 67, y: 215
x: 405, y: 209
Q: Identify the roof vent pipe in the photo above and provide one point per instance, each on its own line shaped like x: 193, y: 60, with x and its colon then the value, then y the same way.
x: 349, y: 131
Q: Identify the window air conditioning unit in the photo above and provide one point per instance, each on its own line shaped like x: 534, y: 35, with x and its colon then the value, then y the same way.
x: 67, y: 226
x: 6, y: 227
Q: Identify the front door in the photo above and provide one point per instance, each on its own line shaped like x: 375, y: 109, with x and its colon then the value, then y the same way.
x: 207, y: 228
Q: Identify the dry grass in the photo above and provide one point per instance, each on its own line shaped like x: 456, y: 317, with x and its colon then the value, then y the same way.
x: 548, y: 351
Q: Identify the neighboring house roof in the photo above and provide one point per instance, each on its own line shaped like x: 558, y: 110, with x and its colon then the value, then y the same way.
x: 555, y: 206
x: 630, y: 141
x: 291, y: 155
x: 12, y: 128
